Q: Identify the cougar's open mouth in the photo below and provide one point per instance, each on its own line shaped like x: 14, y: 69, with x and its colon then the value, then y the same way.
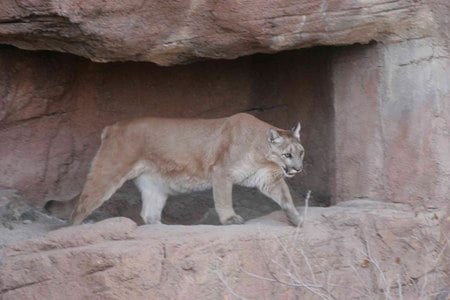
x: 288, y: 174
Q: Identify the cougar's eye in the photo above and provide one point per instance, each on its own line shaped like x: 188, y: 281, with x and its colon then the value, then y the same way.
x: 287, y: 155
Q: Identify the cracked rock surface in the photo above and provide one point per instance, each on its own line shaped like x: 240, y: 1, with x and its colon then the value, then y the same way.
x: 356, y: 249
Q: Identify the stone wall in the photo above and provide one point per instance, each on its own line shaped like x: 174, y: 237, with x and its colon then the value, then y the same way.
x: 392, y: 122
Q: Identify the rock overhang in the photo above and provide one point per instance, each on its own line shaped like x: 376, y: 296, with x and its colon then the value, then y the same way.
x: 169, y: 33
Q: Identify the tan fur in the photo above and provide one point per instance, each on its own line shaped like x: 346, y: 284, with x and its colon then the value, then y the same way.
x: 170, y: 156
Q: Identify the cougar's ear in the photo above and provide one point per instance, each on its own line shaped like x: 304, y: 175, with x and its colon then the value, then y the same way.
x: 273, y: 136
x: 296, y: 130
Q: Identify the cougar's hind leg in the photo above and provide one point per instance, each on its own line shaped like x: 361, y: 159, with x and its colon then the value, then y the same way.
x: 99, y: 187
x: 107, y: 174
x: 153, y: 199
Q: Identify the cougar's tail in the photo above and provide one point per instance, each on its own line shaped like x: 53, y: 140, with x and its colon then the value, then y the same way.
x: 61, y: 209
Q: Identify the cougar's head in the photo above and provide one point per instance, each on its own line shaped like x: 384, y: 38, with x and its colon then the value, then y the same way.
x: 286, y: 150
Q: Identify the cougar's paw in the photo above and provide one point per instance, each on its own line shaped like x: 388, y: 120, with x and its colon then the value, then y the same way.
x: 295, y: 219
x: 236, y: 219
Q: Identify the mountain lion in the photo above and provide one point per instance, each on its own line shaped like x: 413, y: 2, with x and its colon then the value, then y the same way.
x: 171, y: 156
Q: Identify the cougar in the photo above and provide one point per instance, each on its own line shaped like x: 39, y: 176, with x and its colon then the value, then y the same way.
x: 171, y: 156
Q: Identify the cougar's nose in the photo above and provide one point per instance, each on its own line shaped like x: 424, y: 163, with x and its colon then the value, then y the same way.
x: 297, y: 170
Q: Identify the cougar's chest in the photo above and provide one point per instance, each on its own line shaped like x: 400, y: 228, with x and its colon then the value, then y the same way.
x: 252, y: 174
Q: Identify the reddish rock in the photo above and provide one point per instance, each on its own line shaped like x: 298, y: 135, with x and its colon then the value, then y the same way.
x: 173, y: 32
x: 357, y: 249
x: 392, y: 119
x: 376, y: 125
x: 374, y: 117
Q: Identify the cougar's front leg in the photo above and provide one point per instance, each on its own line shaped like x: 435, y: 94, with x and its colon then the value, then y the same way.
x: 223, y: 201
x: 279, y: 192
